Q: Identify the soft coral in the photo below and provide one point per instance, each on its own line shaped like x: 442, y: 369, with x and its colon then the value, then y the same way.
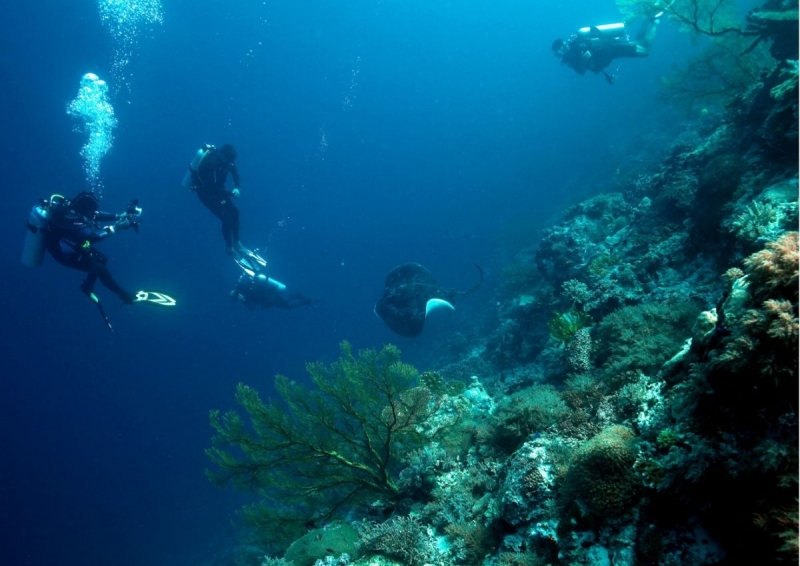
x: 773, y: 271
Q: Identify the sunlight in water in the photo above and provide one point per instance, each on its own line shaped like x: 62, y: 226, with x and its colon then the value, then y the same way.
x: 126, y: 19
x: 97, y: 121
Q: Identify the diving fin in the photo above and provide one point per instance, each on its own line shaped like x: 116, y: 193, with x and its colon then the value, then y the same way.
x: 246, y: 265
x: 257, y: 258
x: 154, y: 298
x: 96, y: 301
x: 253, y: 256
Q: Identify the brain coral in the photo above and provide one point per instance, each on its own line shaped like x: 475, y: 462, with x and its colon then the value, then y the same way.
x: 600, y: 478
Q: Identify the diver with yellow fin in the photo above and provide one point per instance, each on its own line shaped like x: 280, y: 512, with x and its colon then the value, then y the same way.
x: 68, y: 230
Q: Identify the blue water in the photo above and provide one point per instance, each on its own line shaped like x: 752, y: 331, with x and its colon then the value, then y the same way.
x: 370, y: 133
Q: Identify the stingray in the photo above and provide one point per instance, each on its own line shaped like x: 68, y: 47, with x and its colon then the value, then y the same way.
x: 411, y: 293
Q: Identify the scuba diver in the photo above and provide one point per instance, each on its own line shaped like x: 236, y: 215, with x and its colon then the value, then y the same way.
x: 68, y: 230
x: 262, y: 292
x: 593, y: 48
x: 207, y: 175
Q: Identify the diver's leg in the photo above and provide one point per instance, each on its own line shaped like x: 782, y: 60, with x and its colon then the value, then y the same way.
x: 226, y: 234
x: 646, y: 36
x: 100, y: 271
x: 218, y: 205
x: 297, y: 300
x: 87, y: 286
x: 81, y: 261
x: 68, y: 257
x: 230, y: 225
x: 211, y: 202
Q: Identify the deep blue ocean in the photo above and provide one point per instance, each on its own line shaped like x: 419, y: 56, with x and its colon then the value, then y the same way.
x: 370, y: 133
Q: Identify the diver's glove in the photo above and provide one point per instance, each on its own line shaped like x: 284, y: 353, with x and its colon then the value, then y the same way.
x: 236, y: 192
x: 121, y: 224
x: 129, y: 218
x: 134, y: 210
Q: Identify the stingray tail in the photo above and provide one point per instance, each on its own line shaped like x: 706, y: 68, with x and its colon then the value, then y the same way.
x: 475, y: 288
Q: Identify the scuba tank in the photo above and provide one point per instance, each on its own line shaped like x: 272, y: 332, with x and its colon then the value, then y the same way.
x: 38, y: 221
x: 277, y: 284
x: 605, y: 31
x: 270, y: 281
x: 188, y: 179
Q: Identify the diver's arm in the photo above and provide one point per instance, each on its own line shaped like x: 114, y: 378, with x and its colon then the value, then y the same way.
x: 235, y: 176
x: 98, y: 232
x: 106, y: 216
x: 80, y: 230
x: 576, y: 57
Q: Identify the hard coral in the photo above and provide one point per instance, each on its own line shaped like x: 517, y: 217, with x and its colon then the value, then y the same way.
x: 600, y: 478
x: 404, y: 538
x: 528, y: 486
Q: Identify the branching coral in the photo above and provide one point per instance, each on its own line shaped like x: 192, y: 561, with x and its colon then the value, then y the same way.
x: 758, y: 219
x: 404, y: 538
x: 472, y: 541
x: 329, y: 445
x: 790, y: 75
x: 576, y: 291
x: 716, y: 74
x: 712, y: 18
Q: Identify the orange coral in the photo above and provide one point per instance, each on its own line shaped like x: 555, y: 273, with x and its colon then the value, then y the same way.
x: 782, y: 320
x: 732, y: 274
x: 774, y: 270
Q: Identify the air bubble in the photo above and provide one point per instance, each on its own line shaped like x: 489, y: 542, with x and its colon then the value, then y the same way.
x: 96, y: 114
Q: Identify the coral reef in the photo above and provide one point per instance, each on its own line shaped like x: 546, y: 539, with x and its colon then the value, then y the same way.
x: 651, y: 420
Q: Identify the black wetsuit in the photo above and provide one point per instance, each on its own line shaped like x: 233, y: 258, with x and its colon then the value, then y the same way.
x: 209, y: 182
x: 258, y: 293
x: 595, y: 54
x: 70, y: 239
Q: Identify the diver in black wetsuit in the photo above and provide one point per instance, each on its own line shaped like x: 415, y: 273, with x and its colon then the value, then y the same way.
x: 73, y: 230
x: 208, y: 178
x: 593, y: 48
x: 261, y: 292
